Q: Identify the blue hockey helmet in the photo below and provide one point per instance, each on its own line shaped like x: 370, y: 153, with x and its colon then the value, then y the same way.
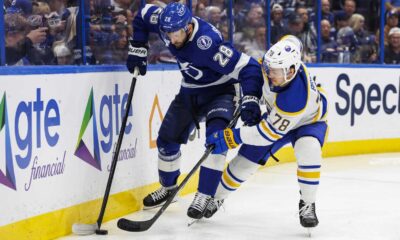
x: 175, y: 16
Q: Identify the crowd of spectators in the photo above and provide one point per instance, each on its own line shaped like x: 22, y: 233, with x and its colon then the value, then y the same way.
x: 49, y: 32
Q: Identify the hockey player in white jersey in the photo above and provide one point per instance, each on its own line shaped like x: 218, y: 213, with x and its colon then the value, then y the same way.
x: 296, y: 114
x: 210, y: 67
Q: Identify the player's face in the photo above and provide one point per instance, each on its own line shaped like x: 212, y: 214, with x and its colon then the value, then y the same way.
x: 276, y: 75
x: 177, y: 38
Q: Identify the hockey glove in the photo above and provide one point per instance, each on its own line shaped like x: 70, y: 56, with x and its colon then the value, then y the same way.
x: 250, y: 112
x: 224, y: 140
x: 137, y: 57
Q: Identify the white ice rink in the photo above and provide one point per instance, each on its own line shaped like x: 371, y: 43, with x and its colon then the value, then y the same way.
x: 358, y: 198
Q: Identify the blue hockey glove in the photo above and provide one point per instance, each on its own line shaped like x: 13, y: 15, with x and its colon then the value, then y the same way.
x: 224, y: 140
x: 250, y: 112
x: 137, y: 57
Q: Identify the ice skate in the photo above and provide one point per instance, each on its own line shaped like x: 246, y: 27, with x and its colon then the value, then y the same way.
x: 159, y: 197
x: 213, y: 207
x: 308, y: 217
x: 199, y: 206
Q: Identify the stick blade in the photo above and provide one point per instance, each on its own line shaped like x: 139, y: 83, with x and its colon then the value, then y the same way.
x: 84, y: 229
x: 134, y: 226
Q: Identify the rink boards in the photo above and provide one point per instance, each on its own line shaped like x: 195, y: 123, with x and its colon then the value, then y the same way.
x: 58, y: 132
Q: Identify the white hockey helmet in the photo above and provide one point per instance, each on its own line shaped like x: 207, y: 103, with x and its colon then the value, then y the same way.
x: 282, y: 56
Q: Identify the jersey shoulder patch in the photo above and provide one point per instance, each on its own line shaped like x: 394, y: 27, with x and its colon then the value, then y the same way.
x: 206, y: 35
x: 204, y: 42
x: 293, y: 100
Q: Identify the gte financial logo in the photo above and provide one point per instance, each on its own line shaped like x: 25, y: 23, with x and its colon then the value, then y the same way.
x: 19, y: 145
x: 110, y: 114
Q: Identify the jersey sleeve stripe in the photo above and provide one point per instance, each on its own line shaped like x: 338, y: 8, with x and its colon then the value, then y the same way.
x: 242, y: 62
x: 318, y: 115
x: 324, y: 106
x: 145, y: 9
x: 266, y: 129
x: 274, y: 130
x: 263, y: 135
x: 222, y: 80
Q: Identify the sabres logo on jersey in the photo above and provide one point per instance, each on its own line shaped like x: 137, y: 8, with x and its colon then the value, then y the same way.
x: 204, y: 42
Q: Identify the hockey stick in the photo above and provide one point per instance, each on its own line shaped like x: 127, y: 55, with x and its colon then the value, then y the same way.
x: 140, y: 226
x: 87, y: 229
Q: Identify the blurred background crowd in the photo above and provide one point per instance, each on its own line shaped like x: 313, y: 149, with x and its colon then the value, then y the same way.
x: 51, y: 32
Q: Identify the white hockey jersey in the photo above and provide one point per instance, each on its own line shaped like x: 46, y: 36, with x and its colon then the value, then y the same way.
x: 288, y: 108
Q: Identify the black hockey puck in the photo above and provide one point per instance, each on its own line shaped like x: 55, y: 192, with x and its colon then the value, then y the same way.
x: 101, y: 232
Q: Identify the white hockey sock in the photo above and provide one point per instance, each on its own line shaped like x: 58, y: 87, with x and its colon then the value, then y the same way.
x: 237, y: 171
x: 309, y: 158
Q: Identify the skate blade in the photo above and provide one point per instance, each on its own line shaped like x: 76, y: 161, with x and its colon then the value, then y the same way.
x: 309, y: 231
x: 192, y: 221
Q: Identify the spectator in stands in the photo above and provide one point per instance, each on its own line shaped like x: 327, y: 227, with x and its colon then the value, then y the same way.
x: 255, y: 16
x: 392, y: 51
x: 120, y: 46
x: 349, y: 7
x: 347, y: 44
x: 366, y: 51
x: 308, y: 35
x: 200, y: 10
x: 295, y: 24
x: 218, y: 3
x: 392, y: 5
x: 288, y: 5
x: 254, y: 19
x: 224, y: 29
x: 213, y: 15
x: 56, y: 25
x: 342, y: 20
x: 357, y: 23
x: 328, y: 45
x: 42, y: 54
x: 40, y: 8
x: 326, y: 12
x: 239, y: 13
x: 392, y: 20
x: 256, y: 47
x: 23, y: 7
x: 278, y: 28
x: 63, y: 54
x: 18, y: 46
x: 58, y: 6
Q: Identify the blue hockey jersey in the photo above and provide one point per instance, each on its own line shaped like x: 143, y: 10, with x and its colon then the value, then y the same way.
x: 206, y: 61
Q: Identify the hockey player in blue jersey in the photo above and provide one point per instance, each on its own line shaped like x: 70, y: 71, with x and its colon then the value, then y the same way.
x: 210, y: 67
x: 296, y: 114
